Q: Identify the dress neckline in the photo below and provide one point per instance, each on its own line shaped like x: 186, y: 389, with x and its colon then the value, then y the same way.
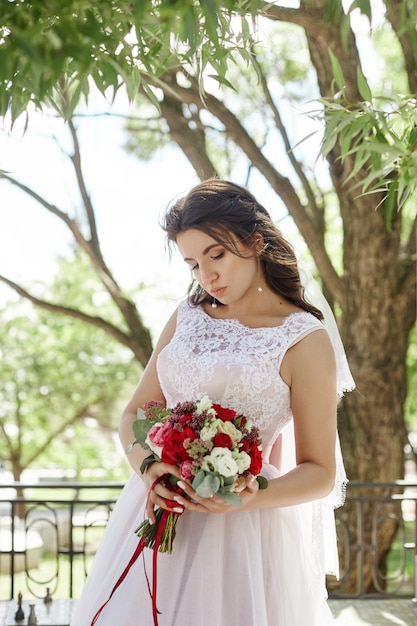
x: 233, y: 320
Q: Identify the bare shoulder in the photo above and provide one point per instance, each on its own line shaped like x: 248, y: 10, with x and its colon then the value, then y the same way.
x: 312, y: 355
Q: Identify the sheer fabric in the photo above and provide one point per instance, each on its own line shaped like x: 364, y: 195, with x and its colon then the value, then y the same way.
x: 255, y: 568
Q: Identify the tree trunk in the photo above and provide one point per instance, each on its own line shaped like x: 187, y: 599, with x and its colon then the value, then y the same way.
x: 375, y: 323
x: 20, y: 508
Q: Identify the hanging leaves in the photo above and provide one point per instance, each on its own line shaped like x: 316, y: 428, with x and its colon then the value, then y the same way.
x: 381, y: 133
x: 43, y: 45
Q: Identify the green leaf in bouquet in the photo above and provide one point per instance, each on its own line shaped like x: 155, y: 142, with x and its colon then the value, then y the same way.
x: 152, y: 458
x: 227, y: 481
x: 140, y: 430
x: 198, y: 479
x: 230, y: 496
x: 262, y: 482
x: 206, y: 485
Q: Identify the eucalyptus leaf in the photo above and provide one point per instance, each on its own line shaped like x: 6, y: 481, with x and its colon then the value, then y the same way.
x: 231, y: 497
x: 209, y: 485
x: 198, y: 479
x: 140, y: 430
x: 262, y: 482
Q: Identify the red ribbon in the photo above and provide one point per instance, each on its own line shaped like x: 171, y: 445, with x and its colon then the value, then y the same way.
x: 138, y: 550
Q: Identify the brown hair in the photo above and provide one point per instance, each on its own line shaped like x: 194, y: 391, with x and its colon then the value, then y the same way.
x: 226, y: 211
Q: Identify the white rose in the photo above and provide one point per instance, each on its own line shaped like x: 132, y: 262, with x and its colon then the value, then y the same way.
x: 207, y: 464
x: 242, y: 461
x: 223, y: 462
x: 207, y: 432
x: 202, y: 405
x: 229, y: 429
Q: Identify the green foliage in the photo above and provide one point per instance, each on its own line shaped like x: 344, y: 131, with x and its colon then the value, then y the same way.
x: 45, y: 46
x: 281, y: 57
x: 63, y: 387
x: 76, y: 285
x: 382, y: 135
x: 379, y: 132
x: 147, y: 134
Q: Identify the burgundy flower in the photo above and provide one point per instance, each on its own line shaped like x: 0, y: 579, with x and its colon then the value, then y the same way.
x: 221, y: 440
x: 174, y: 451
x: 256, y: 460
x: 227, y: 415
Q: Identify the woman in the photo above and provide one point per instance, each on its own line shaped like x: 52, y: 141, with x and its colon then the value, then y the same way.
x: 247, y: 337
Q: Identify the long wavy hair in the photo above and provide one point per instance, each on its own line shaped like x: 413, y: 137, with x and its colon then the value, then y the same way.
x: 228, y: 212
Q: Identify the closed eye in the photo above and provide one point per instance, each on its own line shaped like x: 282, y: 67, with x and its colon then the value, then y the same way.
x: 214, y: 257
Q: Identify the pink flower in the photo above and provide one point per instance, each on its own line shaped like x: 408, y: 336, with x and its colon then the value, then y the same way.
x: 158, y: 433
x: 186, y: 469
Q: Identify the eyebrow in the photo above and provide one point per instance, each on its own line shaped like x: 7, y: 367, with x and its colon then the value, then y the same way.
x: 205, y: 251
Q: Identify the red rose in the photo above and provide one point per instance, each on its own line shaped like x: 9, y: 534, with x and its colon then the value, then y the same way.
x: 185, y: 417
x: 226, y: 415
x: 244, y: 446
x: 221, y: 440
x: 173, y: 451
x: 256, y: 460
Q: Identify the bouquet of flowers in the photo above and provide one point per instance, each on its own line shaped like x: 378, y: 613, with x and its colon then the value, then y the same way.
x: 214, y: 447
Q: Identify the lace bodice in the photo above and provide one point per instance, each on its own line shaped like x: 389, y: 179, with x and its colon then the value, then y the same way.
x: 236, y: 366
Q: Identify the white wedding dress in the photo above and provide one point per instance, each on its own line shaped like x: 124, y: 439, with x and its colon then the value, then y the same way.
x: 253, y: 568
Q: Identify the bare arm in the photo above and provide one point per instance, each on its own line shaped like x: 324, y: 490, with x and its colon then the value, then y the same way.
x: 147, y: 389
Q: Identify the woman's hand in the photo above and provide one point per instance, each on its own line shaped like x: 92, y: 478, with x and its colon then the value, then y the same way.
x: 161, y: 492
x: 216, y: 504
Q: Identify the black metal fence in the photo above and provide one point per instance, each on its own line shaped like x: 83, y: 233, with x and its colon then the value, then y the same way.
x: 372, y: 563
x: 49, y: 533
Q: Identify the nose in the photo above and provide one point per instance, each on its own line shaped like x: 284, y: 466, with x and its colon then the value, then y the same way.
x: 207, y: 277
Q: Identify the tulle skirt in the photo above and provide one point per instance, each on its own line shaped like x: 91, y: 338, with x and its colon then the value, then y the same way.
x: 246, y: 568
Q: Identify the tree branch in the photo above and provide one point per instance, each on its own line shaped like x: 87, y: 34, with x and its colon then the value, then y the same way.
x: 96, y: 321
x: 317, y: 213
x: 76, y: 161
x: 309, y: 19
x: 190, y: 140
x: 140, y: 341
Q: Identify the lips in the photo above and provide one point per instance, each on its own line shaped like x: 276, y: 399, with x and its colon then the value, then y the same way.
x: 218, y: 293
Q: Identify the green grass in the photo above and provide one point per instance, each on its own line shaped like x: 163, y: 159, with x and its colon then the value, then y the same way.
x: 400, y: 562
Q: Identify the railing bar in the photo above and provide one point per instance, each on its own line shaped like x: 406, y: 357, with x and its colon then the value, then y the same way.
x: 361, y: 495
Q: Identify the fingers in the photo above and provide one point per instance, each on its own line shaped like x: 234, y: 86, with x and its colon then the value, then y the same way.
x: 194, y: 502
x: 160, y: 495
x: 252, y: 484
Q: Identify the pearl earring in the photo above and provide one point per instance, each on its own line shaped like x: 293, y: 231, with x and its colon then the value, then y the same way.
x: 214, y: 304
x: 260, y: 289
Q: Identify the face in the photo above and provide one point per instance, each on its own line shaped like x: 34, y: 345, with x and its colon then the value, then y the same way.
x: 226, y: 276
